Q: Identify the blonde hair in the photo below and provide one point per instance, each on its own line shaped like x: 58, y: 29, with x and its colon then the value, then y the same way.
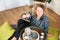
x: 35, y: 8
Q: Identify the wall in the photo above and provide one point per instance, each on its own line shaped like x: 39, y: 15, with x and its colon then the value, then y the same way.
x: 7, y: 4
x: 55, y: 6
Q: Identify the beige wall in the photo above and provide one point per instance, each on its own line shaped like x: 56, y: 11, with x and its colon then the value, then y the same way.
x: 8, y: 4
x: 55, y: 6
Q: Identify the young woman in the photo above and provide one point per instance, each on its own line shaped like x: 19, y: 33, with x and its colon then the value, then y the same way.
x: 34, y: 18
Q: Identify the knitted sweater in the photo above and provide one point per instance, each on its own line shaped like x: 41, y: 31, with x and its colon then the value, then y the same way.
x: 43, y: 22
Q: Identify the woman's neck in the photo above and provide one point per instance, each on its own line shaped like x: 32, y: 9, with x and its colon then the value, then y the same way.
x: 38, y: 17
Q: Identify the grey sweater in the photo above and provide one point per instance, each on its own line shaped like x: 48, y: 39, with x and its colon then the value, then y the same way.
x: 43, y: 22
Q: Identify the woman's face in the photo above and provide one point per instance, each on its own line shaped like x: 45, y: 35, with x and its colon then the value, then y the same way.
x: 39, y: 11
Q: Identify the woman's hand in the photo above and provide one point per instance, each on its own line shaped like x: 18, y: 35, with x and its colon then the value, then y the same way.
x: 19, y: 38
x: 27, y: 15
x: 50, y: 35
x: 24, y: 16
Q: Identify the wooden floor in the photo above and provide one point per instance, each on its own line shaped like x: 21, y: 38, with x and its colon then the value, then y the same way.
x: 13, y: 15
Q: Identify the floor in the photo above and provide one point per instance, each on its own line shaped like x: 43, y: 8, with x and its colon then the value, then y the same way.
x: 13, y: 15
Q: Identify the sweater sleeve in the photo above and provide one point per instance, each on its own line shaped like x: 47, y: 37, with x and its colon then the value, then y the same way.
x: 29, y: 18
x: 45, y: 23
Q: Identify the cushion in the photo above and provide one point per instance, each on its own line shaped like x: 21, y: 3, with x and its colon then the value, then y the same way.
x: 55, y: 33
x: 6, y: 31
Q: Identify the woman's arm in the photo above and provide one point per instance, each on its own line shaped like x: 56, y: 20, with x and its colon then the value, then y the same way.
x: 45, y: 23
x: 27, y: 16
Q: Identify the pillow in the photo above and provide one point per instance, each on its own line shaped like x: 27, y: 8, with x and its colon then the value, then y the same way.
x: 6, y: 31
x: 55, y: 33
